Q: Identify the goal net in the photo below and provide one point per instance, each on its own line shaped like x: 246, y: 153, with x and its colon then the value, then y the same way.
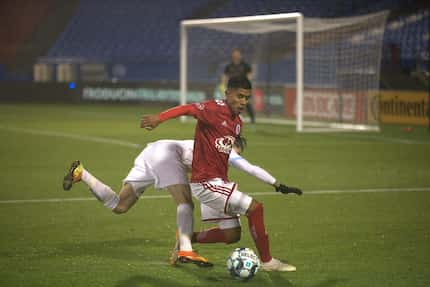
x: 317, y: 73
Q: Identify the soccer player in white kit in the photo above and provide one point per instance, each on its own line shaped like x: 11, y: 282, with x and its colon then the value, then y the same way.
x: 163, y: 164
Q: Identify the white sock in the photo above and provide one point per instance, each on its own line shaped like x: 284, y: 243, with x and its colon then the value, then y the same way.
x: 101, y: 191
x: 185, y: 220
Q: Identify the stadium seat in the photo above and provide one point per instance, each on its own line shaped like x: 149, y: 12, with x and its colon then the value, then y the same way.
x: 113, y: 31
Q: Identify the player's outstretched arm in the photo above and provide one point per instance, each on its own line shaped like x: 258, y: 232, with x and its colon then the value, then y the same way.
x: 150, y: 122
x: 241, y: 163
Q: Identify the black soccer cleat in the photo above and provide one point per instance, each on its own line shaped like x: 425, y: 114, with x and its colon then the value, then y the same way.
x: 73, y: 175
x: 285, y: 189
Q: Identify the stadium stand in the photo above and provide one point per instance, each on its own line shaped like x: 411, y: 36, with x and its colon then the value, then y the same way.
x: 406, y: 49
x: 410, y: 35
x: 25, y: 18
x: 18, y: 24
x: 142, y: 37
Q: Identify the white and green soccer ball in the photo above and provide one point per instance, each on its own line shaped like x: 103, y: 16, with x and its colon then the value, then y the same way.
x: 243, y: 263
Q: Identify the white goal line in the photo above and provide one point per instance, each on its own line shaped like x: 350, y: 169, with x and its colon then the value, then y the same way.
x: 268, y: 193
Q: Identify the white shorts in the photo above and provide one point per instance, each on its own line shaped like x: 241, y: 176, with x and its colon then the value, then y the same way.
x: 221, y: 202
x: 223, y: 220
x: 158, y: 165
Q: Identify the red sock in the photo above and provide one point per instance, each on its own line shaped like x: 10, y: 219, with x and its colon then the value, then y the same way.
x: 213, y: 235
x: 258, y: 232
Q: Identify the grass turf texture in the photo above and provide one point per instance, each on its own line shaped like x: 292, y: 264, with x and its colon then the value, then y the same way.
x: 342, y: 239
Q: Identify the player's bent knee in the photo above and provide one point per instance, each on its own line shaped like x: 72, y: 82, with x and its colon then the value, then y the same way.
x: 233, y: 239
x: 233, y: 235
x: 127, y: 198
x: 120, y: 209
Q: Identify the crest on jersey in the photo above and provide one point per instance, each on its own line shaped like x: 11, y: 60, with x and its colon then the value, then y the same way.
x: 224, y: 144
x: 237, y: 129
x: 220, y: 102
x: 200, y: 106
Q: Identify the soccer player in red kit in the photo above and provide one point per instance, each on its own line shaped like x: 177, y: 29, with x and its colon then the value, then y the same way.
x: 218, y: 124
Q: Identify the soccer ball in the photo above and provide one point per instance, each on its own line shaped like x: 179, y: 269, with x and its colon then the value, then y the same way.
x: 243, y: 264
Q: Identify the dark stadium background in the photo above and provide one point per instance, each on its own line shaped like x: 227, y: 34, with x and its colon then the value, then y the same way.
x: 364, y: 218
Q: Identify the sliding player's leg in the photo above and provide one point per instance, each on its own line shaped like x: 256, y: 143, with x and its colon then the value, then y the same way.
x: 127, y: 198
x: 183, y: 250
x: 164, y: 162
x: 101, y: 191
x: 181, y: 194
x: 138, y: 179
x: 118, y: 203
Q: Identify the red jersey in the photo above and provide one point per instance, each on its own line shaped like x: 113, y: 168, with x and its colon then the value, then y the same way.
x: 216, y: 129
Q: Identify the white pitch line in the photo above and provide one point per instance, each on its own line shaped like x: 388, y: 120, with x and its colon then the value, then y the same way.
x: 268, y: 193
x: 73, y: 136
x: 370, y: 190
x: 382, y: 138
x: 47, y: 200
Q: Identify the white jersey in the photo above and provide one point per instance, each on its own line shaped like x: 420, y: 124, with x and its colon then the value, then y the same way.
x: 166, y: 162
x: 169, y: 150
x: 161, y: 163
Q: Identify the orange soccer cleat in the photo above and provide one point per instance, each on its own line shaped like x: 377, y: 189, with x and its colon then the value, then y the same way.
x: 187, y: 256
x: 193, y: 257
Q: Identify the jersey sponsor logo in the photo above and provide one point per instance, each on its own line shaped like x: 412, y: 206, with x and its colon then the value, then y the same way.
x: 224, y: 144
x: 220, y: 102
x: 200, y: 106
x: 237, y: 130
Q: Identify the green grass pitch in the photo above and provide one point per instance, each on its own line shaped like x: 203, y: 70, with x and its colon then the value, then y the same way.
x: 373, y: 231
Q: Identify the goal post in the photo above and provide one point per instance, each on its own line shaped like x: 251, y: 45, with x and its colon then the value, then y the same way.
x: 318, y: 74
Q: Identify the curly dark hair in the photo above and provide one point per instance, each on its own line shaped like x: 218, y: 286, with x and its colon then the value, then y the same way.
x: 238, y: 82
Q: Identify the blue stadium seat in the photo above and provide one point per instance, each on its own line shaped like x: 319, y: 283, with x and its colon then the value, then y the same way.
x: 143, y: 35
